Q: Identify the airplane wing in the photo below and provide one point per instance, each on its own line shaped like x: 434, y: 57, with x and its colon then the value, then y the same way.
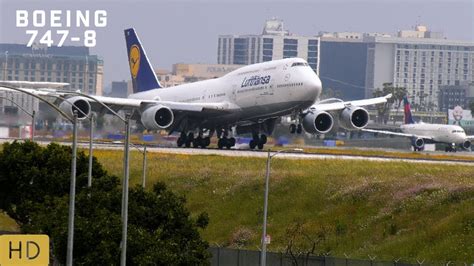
x: 339, y: 105
x: 470, y: 137
x: 32, y: 84
x: 400, y: 134
x: 119, y: 103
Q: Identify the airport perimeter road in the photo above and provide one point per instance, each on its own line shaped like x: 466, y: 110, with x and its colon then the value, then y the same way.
x: 263, y: 154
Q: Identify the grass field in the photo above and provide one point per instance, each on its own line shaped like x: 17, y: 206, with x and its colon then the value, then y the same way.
x: 360, y: 208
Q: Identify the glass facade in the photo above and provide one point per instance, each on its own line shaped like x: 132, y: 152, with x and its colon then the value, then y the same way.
x: 267, y: 49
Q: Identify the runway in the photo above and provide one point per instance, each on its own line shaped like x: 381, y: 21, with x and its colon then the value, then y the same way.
x: 286, y: 155
x: 263, y: 154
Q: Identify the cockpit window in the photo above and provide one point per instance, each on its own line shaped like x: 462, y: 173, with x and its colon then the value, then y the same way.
x: 299, y: 64
x: 457, y: 131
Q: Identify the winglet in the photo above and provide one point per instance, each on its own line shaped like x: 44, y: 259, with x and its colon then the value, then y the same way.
x: 388, y: 96
x: 143, y: 76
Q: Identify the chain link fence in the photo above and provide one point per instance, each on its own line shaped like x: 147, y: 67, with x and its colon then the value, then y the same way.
x: 239, y: 257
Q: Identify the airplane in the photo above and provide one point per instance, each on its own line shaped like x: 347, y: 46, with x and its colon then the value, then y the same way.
x: 250, y: 99
x: 421, y: 133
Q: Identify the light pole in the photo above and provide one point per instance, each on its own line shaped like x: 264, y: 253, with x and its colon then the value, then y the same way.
x: 263, y: 257
x: 32, y: 114
x: 72, y: 192
x: 126, y: 120
x: 143, y: 152
x: 91, y: 136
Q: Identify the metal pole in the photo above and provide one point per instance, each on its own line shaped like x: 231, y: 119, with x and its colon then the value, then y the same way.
x: 91, y: 137
x: 144, y: 167
x: 33, y: 122
x: 263, y: 257
x: 123, y: 257
x: 72, y: 194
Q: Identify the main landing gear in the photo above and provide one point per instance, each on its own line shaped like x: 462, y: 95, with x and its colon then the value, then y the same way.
x: 258, y: 141
x: 225, y: 142
x: 189, y: 140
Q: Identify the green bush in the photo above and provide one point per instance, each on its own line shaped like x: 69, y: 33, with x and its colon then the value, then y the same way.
x: 34, y: 184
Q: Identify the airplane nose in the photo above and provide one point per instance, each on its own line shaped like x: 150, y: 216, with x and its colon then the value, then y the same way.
x: 316, y: 86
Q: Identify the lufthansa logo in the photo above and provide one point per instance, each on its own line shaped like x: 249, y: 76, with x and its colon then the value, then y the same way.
x: 134, y: 60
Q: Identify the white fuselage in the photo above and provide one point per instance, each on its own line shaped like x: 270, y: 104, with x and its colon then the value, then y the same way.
x: 253, y: 92
x: 439, y: 132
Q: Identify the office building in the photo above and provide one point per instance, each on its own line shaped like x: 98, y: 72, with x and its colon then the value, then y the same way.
x: 420, y: 60
x: 67, y: 64
x: 274, y: 43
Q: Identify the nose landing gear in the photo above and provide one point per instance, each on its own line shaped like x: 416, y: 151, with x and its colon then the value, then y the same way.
x: 298, y: 129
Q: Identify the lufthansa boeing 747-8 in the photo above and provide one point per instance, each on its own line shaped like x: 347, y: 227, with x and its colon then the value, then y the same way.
x: 250, y: 99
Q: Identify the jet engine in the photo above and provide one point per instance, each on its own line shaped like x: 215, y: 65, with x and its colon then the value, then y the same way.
x: 157, y: 117
x: 352, y: 118
x: 319, y: 122
x: 418, y: 143
x: 78, y: 103
x: 466, y: 144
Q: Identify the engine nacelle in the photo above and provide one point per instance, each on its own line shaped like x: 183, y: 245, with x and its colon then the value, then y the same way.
x: 354, y: 118
x: 319, y: 122
x: 466, y: 145
x: 78, y: 103
x: 157, y: 117
x: 418, y: 143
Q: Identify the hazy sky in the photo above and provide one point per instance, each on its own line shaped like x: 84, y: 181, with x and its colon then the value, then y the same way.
x: 187, y: 31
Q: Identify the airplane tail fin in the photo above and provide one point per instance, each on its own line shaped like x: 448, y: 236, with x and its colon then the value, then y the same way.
x: 143, y: 76
x: 407, y: 109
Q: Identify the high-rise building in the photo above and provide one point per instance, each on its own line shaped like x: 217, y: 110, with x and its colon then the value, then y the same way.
x: 274, y: 43
x: 419, y: 60
x: 67, y: 64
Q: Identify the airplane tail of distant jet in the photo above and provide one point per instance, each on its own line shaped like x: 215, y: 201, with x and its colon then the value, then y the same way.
x: 143, y: 75
x: 407, y: 109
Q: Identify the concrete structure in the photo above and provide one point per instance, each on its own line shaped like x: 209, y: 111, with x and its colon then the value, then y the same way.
x: 185, y: 73
x: 69, y: 64
x: 274, y: 43
x: 419, y: 60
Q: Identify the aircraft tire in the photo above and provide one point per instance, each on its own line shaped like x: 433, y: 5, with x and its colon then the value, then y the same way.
x: 299, y: 129
x: 197, y: 142
x: 232, y: 142
x: 252, y: 144
x: 260, y: 146
x: 263, y: 139
x: 206, y: 141
x: 292, y: 129
x: 221, y: 143
x: 180, y: 142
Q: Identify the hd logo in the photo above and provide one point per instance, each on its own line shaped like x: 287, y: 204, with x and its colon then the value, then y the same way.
x: 25, y: 250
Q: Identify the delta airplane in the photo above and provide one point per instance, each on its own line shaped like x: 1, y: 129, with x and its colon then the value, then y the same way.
x: 250, y: 99
x: 421, y: 133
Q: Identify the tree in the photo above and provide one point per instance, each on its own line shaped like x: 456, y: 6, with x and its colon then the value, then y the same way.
x: 160, y: 231
x: 397, y: 96
x: 31, y: 172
